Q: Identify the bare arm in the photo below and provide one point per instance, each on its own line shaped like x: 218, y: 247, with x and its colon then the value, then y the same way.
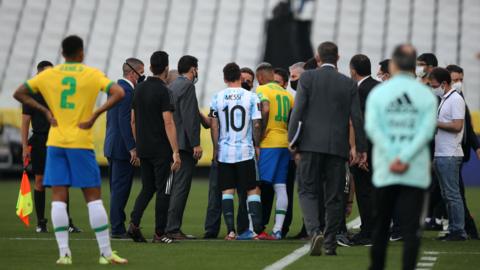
x: 214, y: 132
x: 116, y: 94
x: 22, y: 95
x: 455, y: 126
x: 205, y: 120
x: 257, y: 132
x: 24, y: 130
x: 171, y: 131
x: 265, y: 114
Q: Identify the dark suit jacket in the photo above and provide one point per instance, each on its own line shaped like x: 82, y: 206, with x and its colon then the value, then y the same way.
x: 470, y: 140
x: 364, y: 89
x: 325, y: 102
x: 186, y: 114
x: 119, y: 138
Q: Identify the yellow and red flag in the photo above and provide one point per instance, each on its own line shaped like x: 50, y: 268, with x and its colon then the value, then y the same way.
x: 24, y: 202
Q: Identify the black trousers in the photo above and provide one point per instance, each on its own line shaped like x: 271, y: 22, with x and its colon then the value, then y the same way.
x: 213, y: 218
x: 364, y: 192
x: 155, y: 172
x: 411, y: 203
x: 470, y: 226
x: 315, y: 169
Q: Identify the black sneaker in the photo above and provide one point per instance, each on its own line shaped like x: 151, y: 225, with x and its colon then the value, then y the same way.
x: 342, y: 240
x: 361, y: 239
x: 210, y: 235
x: 135, y: 233
x: 330, y: 252
x: 74, y: 229
x: 452, y: 237
x: 396, y: 236
x: 164, y: 239
x: 42, y: 226
x: 316, y: 244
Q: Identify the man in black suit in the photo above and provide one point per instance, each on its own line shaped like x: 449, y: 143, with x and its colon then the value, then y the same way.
x: 325, y: 103
x: 360, y: 71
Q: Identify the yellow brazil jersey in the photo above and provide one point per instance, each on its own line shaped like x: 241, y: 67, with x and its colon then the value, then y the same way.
x: 70, y: 90
x: 281, y: 103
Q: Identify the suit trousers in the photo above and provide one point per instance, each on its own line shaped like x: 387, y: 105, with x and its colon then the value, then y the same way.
x: 313, y: 170
x: 364, y: 192
x: 214, y: 208
x: 120, y: 178
x: 182, y: 182
x: 155, y: 172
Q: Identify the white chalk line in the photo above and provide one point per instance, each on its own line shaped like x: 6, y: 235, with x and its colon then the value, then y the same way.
x: 300, y: 252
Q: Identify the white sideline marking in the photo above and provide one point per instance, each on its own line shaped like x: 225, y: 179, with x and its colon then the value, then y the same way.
x: 429, y: 259
x: 425, y: 264
x: 300, y: 252
x: 290, y: 258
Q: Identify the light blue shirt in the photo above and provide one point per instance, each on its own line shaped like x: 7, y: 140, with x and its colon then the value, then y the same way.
x: 235, y: 109
x: 400, y: 120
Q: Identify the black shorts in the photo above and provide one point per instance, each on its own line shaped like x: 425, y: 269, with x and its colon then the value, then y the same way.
x: 241, y: 175
x: 38, y: 155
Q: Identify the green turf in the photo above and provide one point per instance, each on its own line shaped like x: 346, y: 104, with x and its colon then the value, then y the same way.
x: 29, y: 252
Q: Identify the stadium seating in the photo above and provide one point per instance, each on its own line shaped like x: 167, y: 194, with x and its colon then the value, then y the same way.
x: 219, y: 31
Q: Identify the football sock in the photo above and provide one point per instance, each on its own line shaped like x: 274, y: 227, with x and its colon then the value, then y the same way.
x: 99, y: 223
x: 60, y: 227
x: 228, y: 211
x: 255, y: 212
x: 281, y: 206
x: 39, y: 198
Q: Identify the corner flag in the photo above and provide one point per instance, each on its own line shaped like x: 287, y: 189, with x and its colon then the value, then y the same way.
x: 24, y: 202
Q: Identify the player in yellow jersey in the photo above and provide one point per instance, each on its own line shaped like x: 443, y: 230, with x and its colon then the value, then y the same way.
x: 274, y: 156
x: 70, y: 91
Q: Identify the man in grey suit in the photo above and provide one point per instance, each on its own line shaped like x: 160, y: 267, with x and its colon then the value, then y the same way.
x: 187, y: 121
x: 326, y: 101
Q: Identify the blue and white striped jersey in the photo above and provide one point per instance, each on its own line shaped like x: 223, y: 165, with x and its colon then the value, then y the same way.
x: 235, y: 109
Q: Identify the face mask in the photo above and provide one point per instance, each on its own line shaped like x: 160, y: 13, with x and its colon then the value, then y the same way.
x: 420, y: 71
x: 141, y: 79
x: 458, y: 86
x: 195, y: 78
x: 246, y: 86
x: 294, y: 84
x: 439, y: 92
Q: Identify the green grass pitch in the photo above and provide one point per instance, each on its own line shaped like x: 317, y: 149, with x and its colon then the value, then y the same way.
x: 22, y: 248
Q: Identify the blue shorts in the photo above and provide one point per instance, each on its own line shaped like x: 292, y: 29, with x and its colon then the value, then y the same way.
x: 71, y: 167
x: 273, y: 165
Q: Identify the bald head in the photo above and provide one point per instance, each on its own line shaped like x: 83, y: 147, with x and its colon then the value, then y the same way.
x: 404, y: 59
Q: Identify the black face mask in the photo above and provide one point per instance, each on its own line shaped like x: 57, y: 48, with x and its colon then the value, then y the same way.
x: 294, y: 84
x: 141, y: 79
x: 246, y: 86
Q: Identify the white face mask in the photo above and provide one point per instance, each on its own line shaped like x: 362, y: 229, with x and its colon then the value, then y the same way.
x: 458, y: 86
x: 420, y: 72
x: 439, y: 92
